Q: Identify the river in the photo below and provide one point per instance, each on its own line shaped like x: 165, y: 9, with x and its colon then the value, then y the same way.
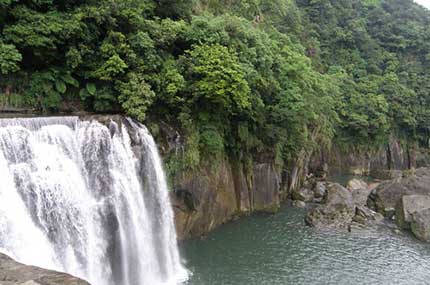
x: 280, y: 249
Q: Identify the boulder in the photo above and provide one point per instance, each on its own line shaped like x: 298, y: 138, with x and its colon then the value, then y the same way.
x: 408, y: 205
x: 304, y: 194
x: 299, y: 204
x: 12, y: 273
x: 337, y: 210
x: 366, y: 216
x: 356, y: 184
x: 420, y: 224
x: 319, y: 190
x: 360, y: 191
x: 388, y: 194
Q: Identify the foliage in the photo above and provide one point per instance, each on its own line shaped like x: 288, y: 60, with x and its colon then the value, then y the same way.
x: 216, y: 79
x: 9, y: 58
x: 136, y: 96
x: 243, y: 78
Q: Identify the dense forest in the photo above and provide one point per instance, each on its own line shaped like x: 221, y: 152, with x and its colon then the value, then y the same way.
x: 273, y: 77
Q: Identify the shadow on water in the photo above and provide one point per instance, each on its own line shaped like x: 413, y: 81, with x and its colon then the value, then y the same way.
x: 280, y: 249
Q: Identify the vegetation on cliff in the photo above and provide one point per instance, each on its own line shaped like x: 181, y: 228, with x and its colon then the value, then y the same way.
x: 238, y: 77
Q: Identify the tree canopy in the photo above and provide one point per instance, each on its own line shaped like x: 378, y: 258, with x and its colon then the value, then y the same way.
x: 242, y: 77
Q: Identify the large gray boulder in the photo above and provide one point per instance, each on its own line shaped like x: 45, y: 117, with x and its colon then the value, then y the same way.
x: 407, y: 206
x: 337, y: 210
x: 12, y: 273
x: 387, y: 195
x: 360, y: 191
x: 420, y: 224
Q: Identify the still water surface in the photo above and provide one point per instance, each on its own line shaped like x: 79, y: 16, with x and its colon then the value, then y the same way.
x: 280, y: 249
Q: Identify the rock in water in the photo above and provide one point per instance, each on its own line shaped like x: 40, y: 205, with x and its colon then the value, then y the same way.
x: 420, y: 224
x: 337, y: 210
x: 388, y: 194
x: 407, y: 206
x: 319, y: 190
x: 360, y: 191
x: 366, y: 216
x: 304, y: 194
x: 299, y: 204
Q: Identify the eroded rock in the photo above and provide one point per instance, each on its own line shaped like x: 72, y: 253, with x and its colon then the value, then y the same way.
x: 337, y: 210
x: 265, y: 188
x: 211, y: 196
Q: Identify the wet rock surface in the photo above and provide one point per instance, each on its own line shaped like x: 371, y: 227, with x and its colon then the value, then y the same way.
x: 13, y: 273
x: 336, y: 211
x: 204, y: 200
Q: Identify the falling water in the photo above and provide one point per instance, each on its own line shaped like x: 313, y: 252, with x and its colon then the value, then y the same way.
x: 87, y: 198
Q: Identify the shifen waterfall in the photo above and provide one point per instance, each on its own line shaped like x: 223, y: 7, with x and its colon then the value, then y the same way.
x: 87, y: 198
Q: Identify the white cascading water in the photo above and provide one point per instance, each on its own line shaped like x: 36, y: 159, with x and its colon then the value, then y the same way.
x: 87, y: 199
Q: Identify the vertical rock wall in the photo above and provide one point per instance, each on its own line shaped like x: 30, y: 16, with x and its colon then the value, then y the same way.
x: 207, y: 198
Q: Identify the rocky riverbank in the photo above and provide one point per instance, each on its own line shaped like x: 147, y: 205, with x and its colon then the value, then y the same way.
x: 403, y: 202
x: 14, y: 273
x: 210, y: 196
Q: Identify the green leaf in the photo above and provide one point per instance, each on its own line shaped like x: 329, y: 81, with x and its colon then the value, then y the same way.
x: 91, y: 88
x: 60, y: 86
x: 84, y: 94
x: 70, y: 80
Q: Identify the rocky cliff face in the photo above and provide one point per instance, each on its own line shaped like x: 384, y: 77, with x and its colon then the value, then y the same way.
x: 12, y: 272
x: 381, y: 163
x: 209, y: 197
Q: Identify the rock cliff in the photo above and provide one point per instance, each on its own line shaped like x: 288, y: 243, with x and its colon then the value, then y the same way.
x: 207, y: 198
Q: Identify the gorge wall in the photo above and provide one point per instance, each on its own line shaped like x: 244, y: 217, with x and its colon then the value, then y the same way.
x: 219, y: 192
x: 381, y: 163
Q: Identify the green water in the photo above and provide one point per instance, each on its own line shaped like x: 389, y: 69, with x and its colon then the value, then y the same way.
x: 343, y: 178
x: 280, y: 249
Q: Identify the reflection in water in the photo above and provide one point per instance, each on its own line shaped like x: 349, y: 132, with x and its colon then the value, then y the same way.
x: 280, y: 249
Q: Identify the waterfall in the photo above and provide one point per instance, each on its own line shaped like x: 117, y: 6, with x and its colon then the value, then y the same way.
x: 87, y: 198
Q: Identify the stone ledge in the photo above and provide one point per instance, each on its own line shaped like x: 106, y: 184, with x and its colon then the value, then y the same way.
x: 15, y: 273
